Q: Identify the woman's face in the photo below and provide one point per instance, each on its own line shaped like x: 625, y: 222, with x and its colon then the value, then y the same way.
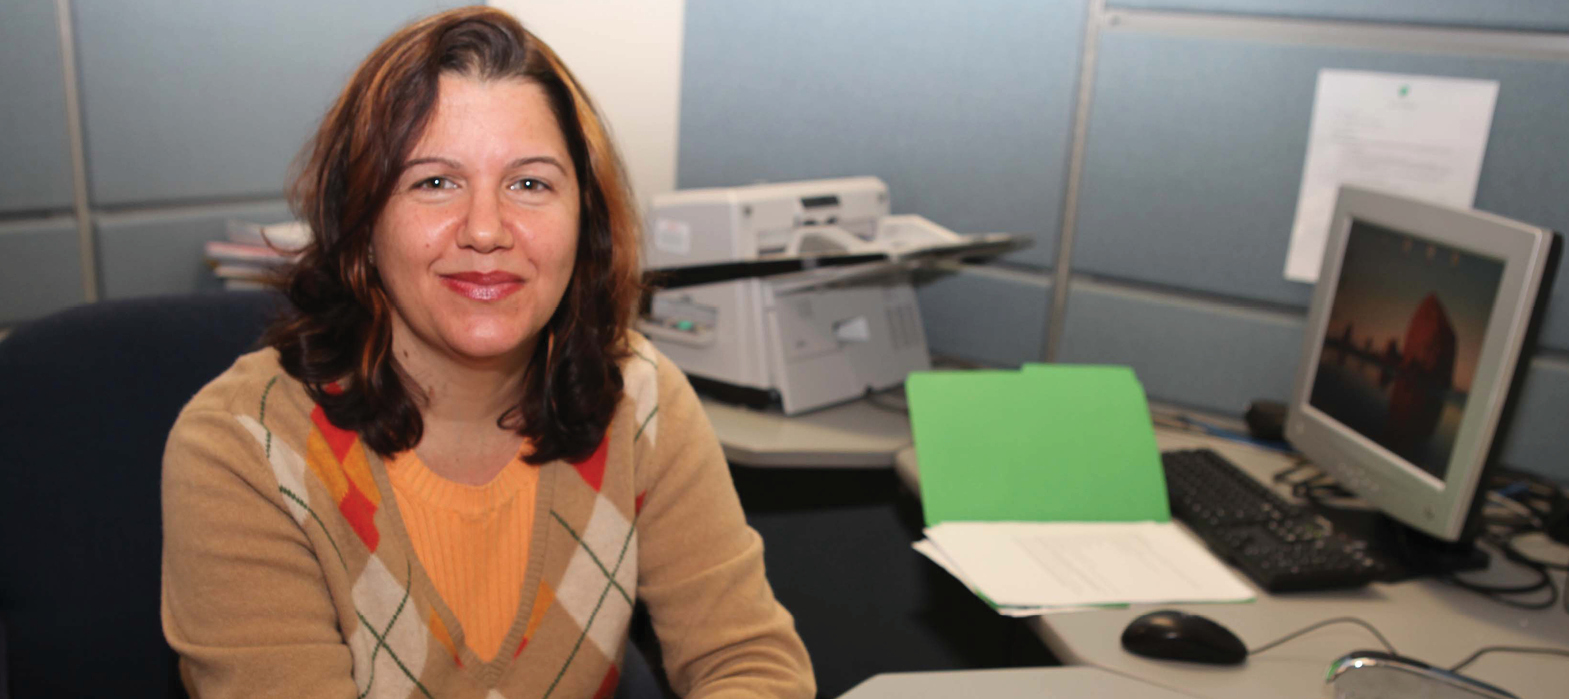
x: 476, y: 244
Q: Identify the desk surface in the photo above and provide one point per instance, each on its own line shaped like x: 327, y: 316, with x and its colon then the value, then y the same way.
x: 1030, y: 683
x: 858, y: 434
x: 1424, y: 619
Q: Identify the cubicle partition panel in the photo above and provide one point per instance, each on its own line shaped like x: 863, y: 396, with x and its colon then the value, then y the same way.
x: 148, y: 253
x: 173, y: 154
x: 189, y: 113
x: 1193, y: 155
x: 1192, y: 163
x: 1153, y: 146
x: 193, y: 101
x: 1203, y: 197
x: 32, y: 117
x: 1187, y: 352
x: 965, y: 110
x: 41, y: 266
x: 1537, y: 441
x: 1539, y: 15
x: 988, y: 315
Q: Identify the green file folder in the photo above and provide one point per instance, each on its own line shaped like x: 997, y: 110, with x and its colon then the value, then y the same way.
x: 1048, y: 443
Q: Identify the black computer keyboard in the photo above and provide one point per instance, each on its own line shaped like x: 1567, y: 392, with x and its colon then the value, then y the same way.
x: 1282, y: 547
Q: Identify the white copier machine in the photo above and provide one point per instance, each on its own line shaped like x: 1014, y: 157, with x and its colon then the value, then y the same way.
x: 793, y: 294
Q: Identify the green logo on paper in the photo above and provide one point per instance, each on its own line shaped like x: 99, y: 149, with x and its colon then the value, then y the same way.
x: 1405, y: 90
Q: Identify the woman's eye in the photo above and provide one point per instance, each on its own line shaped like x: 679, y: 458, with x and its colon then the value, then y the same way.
x: 529, y: 184
x: 434, y: 183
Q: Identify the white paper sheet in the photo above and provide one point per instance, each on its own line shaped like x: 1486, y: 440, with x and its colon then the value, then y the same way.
x: 926, y: 548
x: 1055, y: 564
x: 1418, y: 136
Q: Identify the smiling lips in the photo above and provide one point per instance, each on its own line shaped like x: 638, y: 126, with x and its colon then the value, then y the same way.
x: 483, y: 286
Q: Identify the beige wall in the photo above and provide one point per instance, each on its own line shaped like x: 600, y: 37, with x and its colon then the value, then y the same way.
x: 628, y: 55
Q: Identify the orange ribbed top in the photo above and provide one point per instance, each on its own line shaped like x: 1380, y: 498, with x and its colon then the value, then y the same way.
x: 472, y: 541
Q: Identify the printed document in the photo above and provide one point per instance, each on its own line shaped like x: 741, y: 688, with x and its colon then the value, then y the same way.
x: 926, y: 548
x: 1417, y: 136
x: 1072, y: 564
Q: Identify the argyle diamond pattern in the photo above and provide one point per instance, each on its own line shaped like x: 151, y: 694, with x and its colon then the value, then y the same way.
x: 600, y: 582
x: 390, y: 643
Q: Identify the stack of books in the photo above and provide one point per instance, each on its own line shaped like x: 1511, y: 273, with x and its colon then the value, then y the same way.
x: 253, y: 253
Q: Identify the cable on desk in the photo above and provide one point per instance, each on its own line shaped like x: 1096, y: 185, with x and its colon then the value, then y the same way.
x: 1536, y: 650
x: 1506, y: 544
x: 1300, y: 463
x: 1502, y: 536
x: 1508, y: 649
x: 1527, y: 513
x: 1314, y: 488
x: 1337, y: 620
x: 1320, y: 488
x: 1529, y: 499
x: 886, y: 401
x: 1503, y: 594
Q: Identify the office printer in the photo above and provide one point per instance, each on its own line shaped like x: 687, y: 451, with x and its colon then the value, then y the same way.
x: 792, y: 294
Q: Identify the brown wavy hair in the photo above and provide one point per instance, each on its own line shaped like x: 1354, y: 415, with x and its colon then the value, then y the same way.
x: 337, y: 339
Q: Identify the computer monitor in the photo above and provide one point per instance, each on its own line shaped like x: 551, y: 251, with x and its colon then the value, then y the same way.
x: 1422, y: 321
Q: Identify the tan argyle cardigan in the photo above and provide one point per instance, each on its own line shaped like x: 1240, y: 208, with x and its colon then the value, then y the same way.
x: 288, y: 572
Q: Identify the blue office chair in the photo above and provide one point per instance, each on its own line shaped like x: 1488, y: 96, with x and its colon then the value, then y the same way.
x: 87, y: 398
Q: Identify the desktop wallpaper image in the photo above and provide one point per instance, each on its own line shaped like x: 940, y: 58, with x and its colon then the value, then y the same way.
x: 1400, y: 349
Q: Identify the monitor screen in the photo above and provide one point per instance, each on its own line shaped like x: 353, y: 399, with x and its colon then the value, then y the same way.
x: 1402, y: 342
x: 1420, y: 327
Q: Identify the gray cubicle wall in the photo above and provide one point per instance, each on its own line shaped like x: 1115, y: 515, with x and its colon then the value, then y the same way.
x: 965, y: 109
x: 1209, y: 190
x: 985, y: 314
x: 194, y: 101
x: 1174, y: 192
x: 1532, y: 15
x: 191, y: 112
x: 47, y: 266
x: 962, y: 108
x: 36, y: 179
x: 1193, y: 155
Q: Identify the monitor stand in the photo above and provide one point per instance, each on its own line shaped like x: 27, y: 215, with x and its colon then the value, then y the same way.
x: 1406, y: 552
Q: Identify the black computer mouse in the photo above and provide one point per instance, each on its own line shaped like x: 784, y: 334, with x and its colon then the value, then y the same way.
x: 1172, y: 635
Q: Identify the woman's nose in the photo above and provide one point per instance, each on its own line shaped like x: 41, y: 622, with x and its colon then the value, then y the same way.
x: 485, y: 229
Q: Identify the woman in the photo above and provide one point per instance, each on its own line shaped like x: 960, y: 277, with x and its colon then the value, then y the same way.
x: 455, y: 469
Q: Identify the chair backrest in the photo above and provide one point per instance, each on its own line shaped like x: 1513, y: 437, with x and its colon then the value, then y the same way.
x: 87, y: 397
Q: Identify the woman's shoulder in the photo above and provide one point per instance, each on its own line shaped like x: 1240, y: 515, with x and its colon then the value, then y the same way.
x: 253, y: 389
x: 251, y: 422
x: 656, y: 390
x: 647, y: 372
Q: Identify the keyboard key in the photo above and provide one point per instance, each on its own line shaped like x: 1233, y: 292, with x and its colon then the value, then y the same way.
x: 1282, y: 547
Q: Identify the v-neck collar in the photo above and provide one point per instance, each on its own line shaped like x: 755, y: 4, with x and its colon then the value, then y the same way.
x: 541, y: 539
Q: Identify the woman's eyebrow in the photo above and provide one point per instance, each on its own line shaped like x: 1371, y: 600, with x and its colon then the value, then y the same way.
x: 520, y: 162
x: 426, y: 161
x: 548, y: 160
